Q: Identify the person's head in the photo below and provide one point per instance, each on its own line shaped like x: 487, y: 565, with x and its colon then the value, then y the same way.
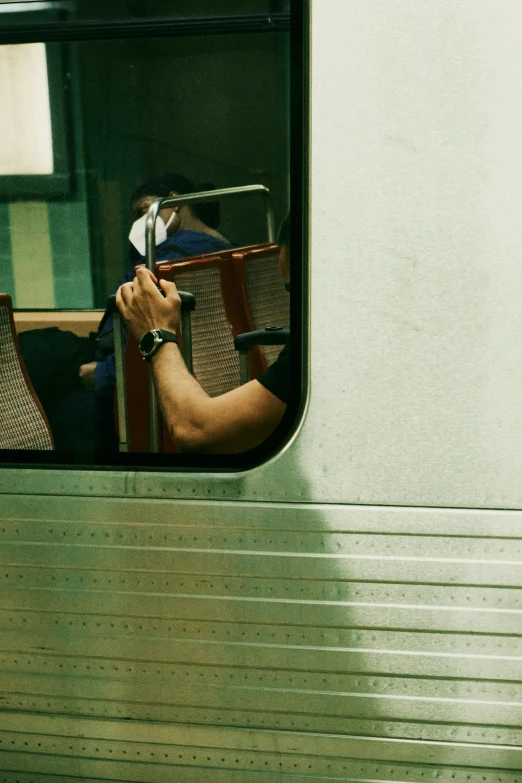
x: 181, y: 216
x: 283, y: 240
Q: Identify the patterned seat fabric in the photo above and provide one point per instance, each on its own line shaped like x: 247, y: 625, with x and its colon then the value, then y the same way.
x: 216, y: 363
x: 22, y: 422
x: 268, y: 301
x: 245, y: 283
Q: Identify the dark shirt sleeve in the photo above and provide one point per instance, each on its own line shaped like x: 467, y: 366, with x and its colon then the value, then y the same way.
x: 277, y: 378
x: 105, y: 374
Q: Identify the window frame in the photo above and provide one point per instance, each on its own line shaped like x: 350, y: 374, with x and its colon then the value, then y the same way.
x: 56, y: 185
x: 293, y: 416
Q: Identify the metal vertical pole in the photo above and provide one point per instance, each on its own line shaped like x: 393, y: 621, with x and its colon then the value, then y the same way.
x: 244, y: 372
x: 150, y: 247
x: 121, y: 392
x: 186, y: 332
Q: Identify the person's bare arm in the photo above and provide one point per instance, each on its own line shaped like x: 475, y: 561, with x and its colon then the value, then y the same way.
x: 228, y: 424
x: 231, y: 423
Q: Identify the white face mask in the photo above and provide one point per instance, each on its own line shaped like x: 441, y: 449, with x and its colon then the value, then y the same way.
x: 137, y: 232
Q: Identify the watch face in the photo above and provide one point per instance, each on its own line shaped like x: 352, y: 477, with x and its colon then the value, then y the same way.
x: 147, y: 342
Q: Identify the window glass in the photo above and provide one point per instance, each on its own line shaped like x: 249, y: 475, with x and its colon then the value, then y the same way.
x: 24, y: 96
x: 121, y: 96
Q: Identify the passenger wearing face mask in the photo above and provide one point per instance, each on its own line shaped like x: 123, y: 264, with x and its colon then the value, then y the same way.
x: 181, y: 232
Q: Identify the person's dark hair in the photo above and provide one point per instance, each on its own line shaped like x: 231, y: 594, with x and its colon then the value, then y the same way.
x: 169, y: 181
x: 283, y: 236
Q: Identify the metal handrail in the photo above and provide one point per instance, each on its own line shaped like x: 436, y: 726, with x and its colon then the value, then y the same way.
x: 195, y: 198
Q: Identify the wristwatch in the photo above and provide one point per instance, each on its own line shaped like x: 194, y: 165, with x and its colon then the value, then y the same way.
x: 151, y: 341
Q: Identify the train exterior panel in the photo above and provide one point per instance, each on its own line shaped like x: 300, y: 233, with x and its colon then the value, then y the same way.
x: 350, y: 610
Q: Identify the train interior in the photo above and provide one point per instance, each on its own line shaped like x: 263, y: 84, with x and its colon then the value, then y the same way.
x: 199, y: 89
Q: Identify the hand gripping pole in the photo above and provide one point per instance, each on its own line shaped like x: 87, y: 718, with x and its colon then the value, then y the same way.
x: 188, y: 303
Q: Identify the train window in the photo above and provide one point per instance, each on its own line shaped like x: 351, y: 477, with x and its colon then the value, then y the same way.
x: 33, y: 129
x: 178, y: 135
x: 23, y: 152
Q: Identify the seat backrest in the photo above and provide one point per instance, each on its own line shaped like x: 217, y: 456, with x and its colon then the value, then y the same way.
x: 268, y: 301
x: 242, y: 287
x: 236, y: 291
x: 221, y: 314
x: 23, y: 424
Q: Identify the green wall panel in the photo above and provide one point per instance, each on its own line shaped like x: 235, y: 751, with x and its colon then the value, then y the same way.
x: 70, y: 254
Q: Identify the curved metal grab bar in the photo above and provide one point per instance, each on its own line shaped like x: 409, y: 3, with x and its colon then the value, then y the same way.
x: 194, y: 198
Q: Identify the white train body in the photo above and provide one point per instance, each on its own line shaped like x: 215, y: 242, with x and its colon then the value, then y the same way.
x: 349, y: 610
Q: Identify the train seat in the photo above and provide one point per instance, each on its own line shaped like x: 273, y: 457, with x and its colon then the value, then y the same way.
x: 237, y: 291
x: 268, y: 301
x: 23, y: 424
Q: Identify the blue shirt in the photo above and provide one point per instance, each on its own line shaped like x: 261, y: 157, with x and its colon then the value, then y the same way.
x: 182, y: 244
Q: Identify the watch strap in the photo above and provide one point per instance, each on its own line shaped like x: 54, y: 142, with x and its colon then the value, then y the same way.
x: 161, y: 336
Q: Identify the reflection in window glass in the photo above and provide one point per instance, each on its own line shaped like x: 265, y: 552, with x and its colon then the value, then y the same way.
x: 26, y: 145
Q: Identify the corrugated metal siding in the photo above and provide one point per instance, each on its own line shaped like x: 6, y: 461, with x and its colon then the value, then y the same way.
x: 191, y: 641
